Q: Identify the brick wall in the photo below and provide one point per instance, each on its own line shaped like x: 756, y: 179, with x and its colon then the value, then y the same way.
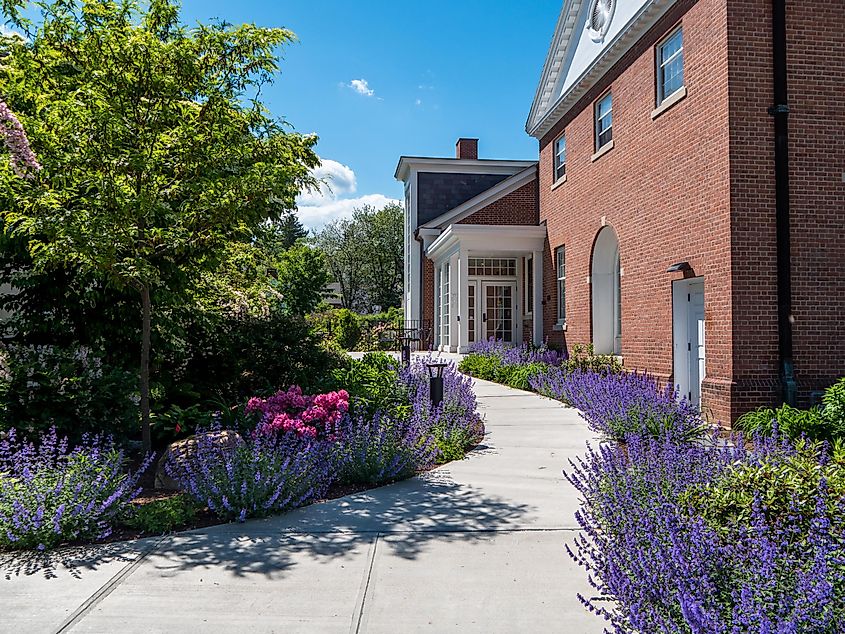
x: 664, y: 188
x: 816, y: 59
x: 697, y: 184
x: 816, y: 81
x: 520, y: 207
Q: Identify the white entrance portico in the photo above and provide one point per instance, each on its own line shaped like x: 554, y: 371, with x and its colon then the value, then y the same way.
x: 488, y: 283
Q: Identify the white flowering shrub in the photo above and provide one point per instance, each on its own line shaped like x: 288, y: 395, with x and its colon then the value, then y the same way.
x: 72, y: 389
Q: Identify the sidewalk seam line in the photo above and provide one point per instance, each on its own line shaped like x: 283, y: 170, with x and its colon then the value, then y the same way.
x: 367, y: 584
x: 111, y: 585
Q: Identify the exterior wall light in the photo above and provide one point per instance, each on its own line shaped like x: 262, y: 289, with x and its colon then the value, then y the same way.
x: 679, y: 267
x: 435, y: 378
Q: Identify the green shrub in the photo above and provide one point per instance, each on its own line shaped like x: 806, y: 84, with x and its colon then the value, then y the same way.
x: 177, y: 422
x: 373, y: 384
x: 791, y: 421
x: 453, y: 443
x: 519, y: 376
x: 163, y: 515
x: 786, y: 485
x: 584, y: 358
x: 481, y: 366
x: 72, y: 389
x: 834, y: 406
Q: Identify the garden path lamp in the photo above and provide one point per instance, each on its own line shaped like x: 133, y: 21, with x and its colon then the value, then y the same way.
x: 435, y: 377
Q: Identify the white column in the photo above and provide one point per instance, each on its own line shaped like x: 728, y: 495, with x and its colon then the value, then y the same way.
x: 454, y: 303
x: 463, y: 311
x: 436, y: 315
x: 444, y: 318
x: 537, y: 309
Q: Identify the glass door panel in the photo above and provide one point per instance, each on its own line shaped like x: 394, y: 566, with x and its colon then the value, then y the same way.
x: 471, y: 312
x: 498, y: 311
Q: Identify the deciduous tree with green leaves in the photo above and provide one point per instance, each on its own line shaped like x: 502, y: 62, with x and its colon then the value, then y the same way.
x: 154, y: 145
x: 365, y: 256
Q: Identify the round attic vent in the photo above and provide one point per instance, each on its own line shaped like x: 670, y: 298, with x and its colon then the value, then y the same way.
x: 598, y: 21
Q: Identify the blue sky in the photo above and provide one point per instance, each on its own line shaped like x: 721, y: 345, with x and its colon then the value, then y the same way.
x: 377, y: 79
x: 437, y: 70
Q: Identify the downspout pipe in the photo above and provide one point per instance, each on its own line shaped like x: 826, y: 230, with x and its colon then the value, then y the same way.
x: 780, y: 112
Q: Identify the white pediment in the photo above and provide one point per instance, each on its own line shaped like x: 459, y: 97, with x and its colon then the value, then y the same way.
x: 579, y: 56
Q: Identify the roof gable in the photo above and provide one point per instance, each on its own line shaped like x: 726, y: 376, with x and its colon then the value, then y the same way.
x: 483, y: 199
x: 578, y: 56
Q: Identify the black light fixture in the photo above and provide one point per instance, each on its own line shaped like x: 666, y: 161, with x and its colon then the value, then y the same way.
x: 435, y: 377
x: 679, y: 267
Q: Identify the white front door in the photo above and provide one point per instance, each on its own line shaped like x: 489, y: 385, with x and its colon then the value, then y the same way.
x: 498, y: 309
x: 688, y: 337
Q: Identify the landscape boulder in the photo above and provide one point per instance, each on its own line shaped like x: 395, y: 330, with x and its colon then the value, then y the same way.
x: 185, y: 449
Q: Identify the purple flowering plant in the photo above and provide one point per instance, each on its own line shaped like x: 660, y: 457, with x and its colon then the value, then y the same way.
x: 50, y: 493
x: 666, y: 569
x: 455, y: 424
x: 392, y: 436
x: 254, y: 476
x: 517, y: 354
x: 382, y: 448
x: 508, y: 363
x: 617, y: 404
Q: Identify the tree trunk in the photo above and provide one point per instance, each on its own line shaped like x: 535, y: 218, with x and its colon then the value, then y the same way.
x: 146, y: 309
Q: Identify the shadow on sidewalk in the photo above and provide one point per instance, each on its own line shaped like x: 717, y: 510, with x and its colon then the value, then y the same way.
x: 73, y: 560
x: 413, y: 513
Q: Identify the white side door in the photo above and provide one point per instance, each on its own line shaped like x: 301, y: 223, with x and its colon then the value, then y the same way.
x: 689, y: 363
x: 695, y: 344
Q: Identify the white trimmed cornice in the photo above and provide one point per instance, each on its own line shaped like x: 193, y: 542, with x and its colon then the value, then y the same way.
x: 546, y: 111
x: 553, y: 67
x: 453, y: 165
x: 487, y: 197
x: 490, y: 239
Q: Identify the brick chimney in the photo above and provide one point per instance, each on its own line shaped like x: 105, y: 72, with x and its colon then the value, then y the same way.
x: 466, y: 149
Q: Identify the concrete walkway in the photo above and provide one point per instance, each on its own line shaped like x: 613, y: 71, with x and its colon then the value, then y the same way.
x: 475, y: 546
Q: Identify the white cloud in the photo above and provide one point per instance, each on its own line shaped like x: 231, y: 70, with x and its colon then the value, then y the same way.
x: 362, y: 87
x: 335, y: 180
x: 316, y: 216
x: 334, y: 198
x: 418, y: 102
x: 5, y: 31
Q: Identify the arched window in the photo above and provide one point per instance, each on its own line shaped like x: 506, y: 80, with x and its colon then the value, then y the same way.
x: 605, y: 278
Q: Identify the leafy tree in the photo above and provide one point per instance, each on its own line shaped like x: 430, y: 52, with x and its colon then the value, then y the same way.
x: 302, y: 276
x: 290, y: 230
x: 364, y: 255
x: 156, y: 151
x: 345, y: 255
x: 383, y: 235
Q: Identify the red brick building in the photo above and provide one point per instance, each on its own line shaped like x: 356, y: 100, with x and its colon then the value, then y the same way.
x: 677, y: 235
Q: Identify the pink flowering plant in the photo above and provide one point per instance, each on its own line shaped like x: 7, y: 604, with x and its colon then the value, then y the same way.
x: 308, y: 416
x: 23, y: 159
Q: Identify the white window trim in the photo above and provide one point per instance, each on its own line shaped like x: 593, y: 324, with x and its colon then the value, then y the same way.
x: 596, y: 131
x: 556, y: 154
x: 558, y: 320
x: 658, y: 70
x: 670, y: 101
x: 607, y: 147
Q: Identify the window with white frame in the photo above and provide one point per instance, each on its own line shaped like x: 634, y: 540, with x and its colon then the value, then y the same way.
x: 670, y: 65
x: 560, y: 157
x: 492, y: 266
x: 529, y: 286
x: 560, y: 262
x: 604, y: 121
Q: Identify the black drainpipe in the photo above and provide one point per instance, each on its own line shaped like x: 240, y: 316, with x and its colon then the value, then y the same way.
x: 780, y: 112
